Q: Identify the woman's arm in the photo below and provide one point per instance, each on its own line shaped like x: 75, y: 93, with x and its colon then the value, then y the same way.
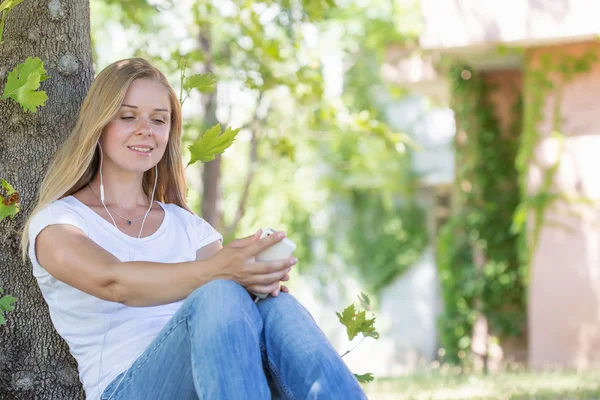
x: 209, y: 250
x: 73, y: 258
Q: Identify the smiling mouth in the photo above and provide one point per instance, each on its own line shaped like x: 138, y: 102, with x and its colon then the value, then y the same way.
x: 145, y: 151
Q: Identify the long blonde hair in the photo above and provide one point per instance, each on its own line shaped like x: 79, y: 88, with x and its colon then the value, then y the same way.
x: 76, y: 162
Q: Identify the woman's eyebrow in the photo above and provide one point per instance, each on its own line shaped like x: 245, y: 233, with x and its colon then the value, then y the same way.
x: 156, y: 109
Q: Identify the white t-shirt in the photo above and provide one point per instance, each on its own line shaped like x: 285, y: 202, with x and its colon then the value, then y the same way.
x: 82, y: 319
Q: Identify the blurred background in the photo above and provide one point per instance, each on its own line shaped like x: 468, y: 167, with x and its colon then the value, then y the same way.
x: 440, y: 156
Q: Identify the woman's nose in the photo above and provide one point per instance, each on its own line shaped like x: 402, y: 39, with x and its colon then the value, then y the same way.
x: 144, y: 127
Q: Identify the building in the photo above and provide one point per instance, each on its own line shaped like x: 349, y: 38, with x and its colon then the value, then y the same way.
x: 549, y: 52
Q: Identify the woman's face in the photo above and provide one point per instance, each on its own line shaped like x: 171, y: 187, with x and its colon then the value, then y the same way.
x: 136, y: 139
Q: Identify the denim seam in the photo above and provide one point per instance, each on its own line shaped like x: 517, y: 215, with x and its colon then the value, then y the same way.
x: 147, y: 356
x: 277, y: 375
x: 272, y: 366
x: 192, y: 359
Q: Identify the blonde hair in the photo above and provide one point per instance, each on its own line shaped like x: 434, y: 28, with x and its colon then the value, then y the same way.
x: 76, y: 162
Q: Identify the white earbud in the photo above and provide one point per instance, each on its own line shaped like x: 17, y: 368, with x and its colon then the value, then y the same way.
x: 101, y: 183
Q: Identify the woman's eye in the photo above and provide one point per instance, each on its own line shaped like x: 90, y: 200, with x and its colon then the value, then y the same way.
x: 127, y: 118
x: 159, y: 121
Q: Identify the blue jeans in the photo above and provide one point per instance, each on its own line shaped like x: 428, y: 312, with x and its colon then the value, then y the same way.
x: 221, y: 345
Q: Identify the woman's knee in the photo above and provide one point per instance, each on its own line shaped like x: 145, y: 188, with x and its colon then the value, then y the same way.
x: 219, y: 290
x: 283, y: 304
x: 221, y: 302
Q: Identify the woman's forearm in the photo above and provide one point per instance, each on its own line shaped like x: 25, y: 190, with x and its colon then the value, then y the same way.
x: 144, y: 284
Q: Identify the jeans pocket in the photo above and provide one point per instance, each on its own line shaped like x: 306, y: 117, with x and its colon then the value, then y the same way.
x: 111, y: 388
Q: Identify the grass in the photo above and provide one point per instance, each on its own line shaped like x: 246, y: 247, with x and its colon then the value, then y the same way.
x: 516, y: 385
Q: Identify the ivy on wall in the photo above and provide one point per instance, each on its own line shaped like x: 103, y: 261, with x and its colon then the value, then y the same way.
x: 538, y: 85
x: 485, y: 249
x: 477, y: 253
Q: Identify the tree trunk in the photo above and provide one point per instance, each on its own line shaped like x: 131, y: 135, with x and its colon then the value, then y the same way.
x: 212, y: 192
x: 34, y: 361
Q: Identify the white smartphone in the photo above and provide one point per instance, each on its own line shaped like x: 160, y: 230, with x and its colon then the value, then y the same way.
x: 279, y: 251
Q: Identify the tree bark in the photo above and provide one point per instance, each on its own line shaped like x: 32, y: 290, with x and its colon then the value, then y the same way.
x: 212, y: 192
x: 35, y: 362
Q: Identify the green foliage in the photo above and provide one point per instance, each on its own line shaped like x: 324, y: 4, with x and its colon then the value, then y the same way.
x: 133, y: 12
x: 9, y: 203
x: 384, y: 241
x: 477, y: 252
x: 263, y: 49
x: 538, y: 84
x: 211, y: 143
x: 6, y: 305
x: 365, y: 301
x: 357, y: 323
x: 460, y: 288
x: 316, y: 9
x: 492, y: 214
x: 364, y: 378
x: 377, y: 227
x: 5, y: 7
x: 23, y: 82
x: 8, y: 5
x: 204, y: 83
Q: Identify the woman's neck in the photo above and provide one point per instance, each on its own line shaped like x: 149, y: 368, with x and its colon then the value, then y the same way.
x: 126, y: 194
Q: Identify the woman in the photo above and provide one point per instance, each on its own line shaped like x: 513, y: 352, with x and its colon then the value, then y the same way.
x: 150, y: 303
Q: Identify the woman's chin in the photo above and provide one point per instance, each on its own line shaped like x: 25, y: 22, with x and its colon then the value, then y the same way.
x: 137, y: 169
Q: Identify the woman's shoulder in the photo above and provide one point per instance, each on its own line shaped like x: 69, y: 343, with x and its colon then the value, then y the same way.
x: 185, y: 216
x: 199, y: 231
x: 179, y: 212
x: 61, y: 211
x: 68, y: 205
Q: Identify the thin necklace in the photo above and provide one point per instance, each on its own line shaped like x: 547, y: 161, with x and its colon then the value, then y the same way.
x: 129, y: 221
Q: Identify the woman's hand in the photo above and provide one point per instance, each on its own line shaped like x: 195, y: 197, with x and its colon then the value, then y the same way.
x: 238, y: 263
x: 281, y: 288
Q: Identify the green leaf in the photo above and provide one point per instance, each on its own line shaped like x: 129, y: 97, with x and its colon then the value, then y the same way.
x: 23, y: 82
x: 364, y: 378
x: 284, y: 147
x: 6, y: 304
x: 9, y: 4
x: 365, y: 302
x: 356, y: 323
x: 211, y: 143
x: 205, y: 83
x: 7, y: 186
x: 346, y: 318
x: 7, y: 210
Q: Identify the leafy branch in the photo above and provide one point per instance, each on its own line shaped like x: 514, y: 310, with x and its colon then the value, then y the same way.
x: 212, y: 141
x: 204, y: 83
x: 357, y: 323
